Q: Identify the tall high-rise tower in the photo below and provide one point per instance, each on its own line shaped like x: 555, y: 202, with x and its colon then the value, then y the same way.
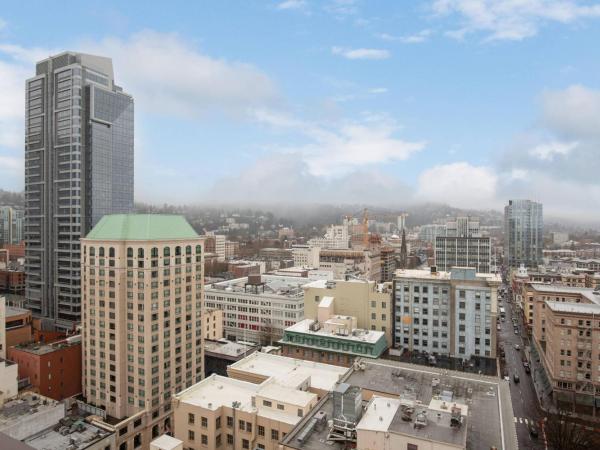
x: 523, y: 233
x: 78, y: 167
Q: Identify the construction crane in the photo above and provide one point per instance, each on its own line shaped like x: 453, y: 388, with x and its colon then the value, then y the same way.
x: 366, y: 228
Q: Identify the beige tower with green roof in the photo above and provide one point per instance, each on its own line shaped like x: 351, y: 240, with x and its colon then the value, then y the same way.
x: 142, y: 297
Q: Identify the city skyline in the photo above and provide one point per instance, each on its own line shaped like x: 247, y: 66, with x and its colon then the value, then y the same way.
x: 327, y: 101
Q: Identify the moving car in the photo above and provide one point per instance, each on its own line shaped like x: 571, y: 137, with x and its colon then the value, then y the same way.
x: 527, y: 370
x: 517, y: 347
x: 516, y: 378
x: 533, y: 431
x: 516, y: 331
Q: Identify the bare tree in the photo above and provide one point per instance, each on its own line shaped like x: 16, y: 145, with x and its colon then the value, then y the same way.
x: 564, y: 434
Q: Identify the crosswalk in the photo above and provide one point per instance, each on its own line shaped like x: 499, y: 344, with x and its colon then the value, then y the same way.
x: 523, y: 420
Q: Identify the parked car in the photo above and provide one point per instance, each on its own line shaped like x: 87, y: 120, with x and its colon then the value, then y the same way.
x: 516, y: 331
x: 525, y: 364
x: 527, y: 370
x: 516, y: 378
x: 517, y: 347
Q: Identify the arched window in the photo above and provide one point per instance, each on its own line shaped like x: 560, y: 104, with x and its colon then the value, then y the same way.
x: 188, y: 250
x: 111, y: 252
x: 198, y: 249
x: 178, y: 251
x: 140, y: 252
x: 167, y: 251
x: 129, y: 252
x: 154, y: 252
x: 101, y: 252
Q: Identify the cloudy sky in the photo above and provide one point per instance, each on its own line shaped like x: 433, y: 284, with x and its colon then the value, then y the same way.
x: 467, y: 102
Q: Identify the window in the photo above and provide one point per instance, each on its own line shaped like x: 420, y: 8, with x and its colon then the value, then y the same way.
x: 191, y: 435
x: 300, y: 412
x: 229, y: 421
x: 204, y: 439
x: 261, y: 430
x: 412, y: 447
x: 267, y: 403
x: 204, y: 422
x: 230, y: 439
x: 191, y: 419
x: 275, y: 435
x: 245, y: 443
x: 280, y: 406
x: 242, y: 425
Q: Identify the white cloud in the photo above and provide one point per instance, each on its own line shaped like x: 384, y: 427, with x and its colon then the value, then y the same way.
x: 292, y: 4
x: 573, y: 111
x: 378, y: 90
x: 12, y: 94
x: 11, y: 163
x: 361, y: 53
x: 2, y: 24
x: 512, y: 19
x: 459, y: 184
x: 547, y: 151
x: 415, y: 38
x: 167, y: 75
x: 338, y: 149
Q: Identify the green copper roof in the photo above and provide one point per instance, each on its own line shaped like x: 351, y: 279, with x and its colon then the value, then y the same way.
x: 142, y: 227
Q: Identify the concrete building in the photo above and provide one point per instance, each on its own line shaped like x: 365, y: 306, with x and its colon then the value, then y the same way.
x: 42, y: 423
x: 559, y: 238
x: 336, y: 237
x: 11, y: 225
x: 462, y: 245
x: 565, y: 339
x: 17, y: 325
x: 332, y: 339
x: 212, y: 323
x: 232, y: 249
x: 222, y: 353
x: 389, y: 405
x: 306, y: 255
x: 368, y: 301
x: 388, y: 264
x: 78, y: 167
x: 142, y: 279
x: 53, y: 370
x: 449, y: 313
x: 230, y: 413
x: 523, y: 233
x: 428, y: 233
x: 401, y: 222
x: 259, y: 307
x: 355, y: 262
x: 315, y: 377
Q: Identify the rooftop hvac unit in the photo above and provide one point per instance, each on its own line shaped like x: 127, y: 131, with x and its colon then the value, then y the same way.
x: 421, y: 420
x: 347, y: 402
x: 307, y: 431
x: 456, y: 418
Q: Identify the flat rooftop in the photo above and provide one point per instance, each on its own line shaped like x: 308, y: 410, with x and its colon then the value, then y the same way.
x: 588, y: 293
x: 71, y: 431
x: 228, y: 349
x: 274, y: 286
x: 43, y: 349
x: 217, y: 391
x: 488, y: 420
x: 570, y: 307
x: 27, y: 404
x: 426, y: 274
x: 16, y: 311
x: 322, y: 376
x: 357, y: 335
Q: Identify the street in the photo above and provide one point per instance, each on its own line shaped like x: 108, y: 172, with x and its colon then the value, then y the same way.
x: 523, y: 395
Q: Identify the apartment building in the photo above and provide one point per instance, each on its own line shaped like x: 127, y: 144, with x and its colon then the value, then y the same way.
x: 523, y: 233
x: 142, y: 279
x: 78, y: 167
x: 567, y: 342
x: 305, y: 255
x: 370, y: 302
x: 11, y: 225
x: 462, y: 245
x: 258, y: 308
x: 221, y: 412
x: 451, y: 313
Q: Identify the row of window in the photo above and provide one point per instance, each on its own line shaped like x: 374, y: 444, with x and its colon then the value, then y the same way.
x: 140, y: 251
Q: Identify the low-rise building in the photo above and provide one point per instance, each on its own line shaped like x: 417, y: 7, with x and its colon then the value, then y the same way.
x: 450, y: 313
x: 9, y: 384
x: 12, y: 281
x: 317, y: 377
x: 368, y: 301
x: 221, y: 353
x: 336, y: 340
x: 221, y: 411
x: 389, y: 405
x: 259, y: 307
x: 358, y: 262
x: 53, y: 370
x: 18, y: 326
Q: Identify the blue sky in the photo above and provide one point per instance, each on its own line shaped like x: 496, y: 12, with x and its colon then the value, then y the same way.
x: 466, y: 102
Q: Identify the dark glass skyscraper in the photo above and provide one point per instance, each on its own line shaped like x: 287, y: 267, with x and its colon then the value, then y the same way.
x: 523, y: 233
x: 78, y: 167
